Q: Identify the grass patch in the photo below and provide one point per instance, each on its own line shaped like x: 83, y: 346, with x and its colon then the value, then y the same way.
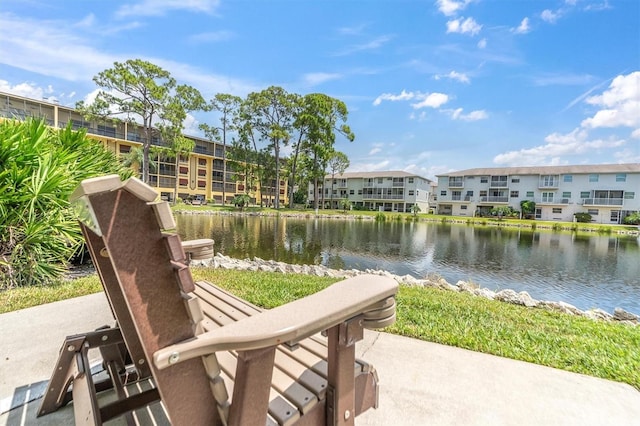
x: 601, y: 349
x: 26, y: 297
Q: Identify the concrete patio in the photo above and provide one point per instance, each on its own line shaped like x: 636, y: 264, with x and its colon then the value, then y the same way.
x: 421, y: 382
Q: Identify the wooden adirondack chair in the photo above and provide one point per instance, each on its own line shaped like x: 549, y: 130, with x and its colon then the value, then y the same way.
x: 195, y: 344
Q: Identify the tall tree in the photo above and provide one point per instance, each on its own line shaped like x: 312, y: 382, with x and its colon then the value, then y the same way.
x: 228, y: 106
x: 320, y: 119
x: 185, y: 99
x: 271, y: 113
x: 141, y: 92
x: 338, y: 163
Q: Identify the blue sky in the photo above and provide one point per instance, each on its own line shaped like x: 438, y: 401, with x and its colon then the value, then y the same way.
x: 431, y: 86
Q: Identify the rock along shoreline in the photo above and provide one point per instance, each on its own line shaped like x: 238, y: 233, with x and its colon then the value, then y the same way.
x: 507, y: 296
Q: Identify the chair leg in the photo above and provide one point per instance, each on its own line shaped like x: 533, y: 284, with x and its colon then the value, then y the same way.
x: 340, y: 375
x: 85, y: 401
x: 251, y: 388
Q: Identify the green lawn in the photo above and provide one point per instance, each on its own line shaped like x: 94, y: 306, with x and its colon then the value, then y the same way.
x: 602, y: 349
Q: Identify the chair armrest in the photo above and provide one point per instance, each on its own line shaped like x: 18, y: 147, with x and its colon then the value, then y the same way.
x: 292, y: 322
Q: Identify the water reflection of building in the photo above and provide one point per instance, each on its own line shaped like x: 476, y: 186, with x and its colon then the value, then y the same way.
x: 605, y: 191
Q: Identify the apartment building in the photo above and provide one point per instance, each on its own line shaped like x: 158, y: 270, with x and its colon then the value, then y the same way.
x: 608, y: 192
x: 389, y: 191
x: 200, y: 175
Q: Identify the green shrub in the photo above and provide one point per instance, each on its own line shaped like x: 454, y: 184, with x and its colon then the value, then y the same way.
x: 39, y: 168
x: 381, y: 217
x: 633, y: 219
x: 583, y: 217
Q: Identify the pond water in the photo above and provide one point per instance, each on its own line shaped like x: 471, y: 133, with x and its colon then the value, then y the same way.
x: 595, y: 271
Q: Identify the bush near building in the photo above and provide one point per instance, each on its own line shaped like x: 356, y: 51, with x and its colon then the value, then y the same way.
x: 39, y: 168
x: 583, y: 217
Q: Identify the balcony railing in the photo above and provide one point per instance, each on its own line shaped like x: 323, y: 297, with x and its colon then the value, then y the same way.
x: 552, y: 200
x: 499, y: 184
x: 494, y: 199
x: 382, y: 197
x: 603, y: 201
x: 461, y: 198
x: 456, y: 184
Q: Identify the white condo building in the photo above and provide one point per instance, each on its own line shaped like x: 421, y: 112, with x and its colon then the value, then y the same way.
x: 608, y: 192
x: 390, y: 191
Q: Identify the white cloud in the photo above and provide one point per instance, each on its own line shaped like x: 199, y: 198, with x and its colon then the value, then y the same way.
x: 523, y: 28
x: 451, y: 7
x: 28, y: 90
x: 596, y: 7
x: 476, y: 115
x: 161, y: 7
x: 620, y: 104
x: 482, y: 43
x: 550, y: 16
x: 316, y: 78
x: 628, y: 156
x: 454, y: 75
x: 431, y: 100
x: 403, y: 96
x: 375, y: 150
x: 49, y: 48
x: 191, y: 124
x: 463, y: 26
x: 558, y: 145
x: 374, y: 44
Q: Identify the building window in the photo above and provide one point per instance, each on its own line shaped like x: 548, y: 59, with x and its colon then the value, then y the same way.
x: 615, y: 216
x: 484, y: 179
x: 410, y: 180
x: 593, y: 212
x: 455, y: 181
x: 411, y: 192
x: 443, y: 193
x: 352, y: 192
x: 584, y: 194
x: 106, y: 130
x: 548, y: 180
x: 566, y: 194
x: 556, y: 210
x: 456, y: 195
x: 463, y: 207
x: 483, y: 193
x: 514, y: 194
x: 547, y: 197
x: 621, y: 177
x: 629, y: 195
x: 515, y: 180
x: 359, y: 191
x: 593, y: 178
x: 568, y: 178
x: 379, y: 180
x: 529, y: 193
